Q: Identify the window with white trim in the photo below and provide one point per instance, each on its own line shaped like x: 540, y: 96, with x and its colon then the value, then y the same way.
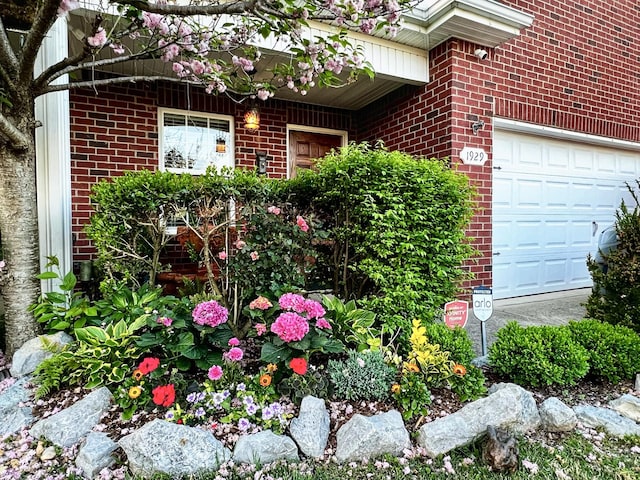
x: 190, y: 142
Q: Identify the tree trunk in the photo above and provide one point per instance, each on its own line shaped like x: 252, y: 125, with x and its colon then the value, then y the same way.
x: 19, y: 236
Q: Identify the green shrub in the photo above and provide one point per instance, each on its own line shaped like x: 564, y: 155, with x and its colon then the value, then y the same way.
x: 361, y: 376
x: 398, y: 229
x: 453, y: 340
x: 615, y: 297
x: 470, y: 385
x: 538, y: 355
x: 613, y: 350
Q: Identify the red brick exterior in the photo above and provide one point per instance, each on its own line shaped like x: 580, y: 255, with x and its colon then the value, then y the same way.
x: 577, y: 68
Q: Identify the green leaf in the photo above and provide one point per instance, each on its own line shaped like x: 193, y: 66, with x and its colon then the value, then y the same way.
x: 120, y: 329
x: 68, y: 282
x: 91, y: 334
x: 47, y: 276
x: 273, y: 354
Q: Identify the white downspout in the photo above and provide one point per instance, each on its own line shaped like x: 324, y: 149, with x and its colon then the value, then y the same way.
x: 53, y: 159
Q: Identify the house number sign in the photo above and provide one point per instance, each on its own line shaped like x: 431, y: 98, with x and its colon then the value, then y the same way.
x: 473, y: 156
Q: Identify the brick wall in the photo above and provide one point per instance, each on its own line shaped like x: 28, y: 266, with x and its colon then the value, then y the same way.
x: 116, y: 129
x: 576, y: 68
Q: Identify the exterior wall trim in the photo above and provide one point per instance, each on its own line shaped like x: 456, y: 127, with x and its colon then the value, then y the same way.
x: 532, y: 129
x: 305, y: 128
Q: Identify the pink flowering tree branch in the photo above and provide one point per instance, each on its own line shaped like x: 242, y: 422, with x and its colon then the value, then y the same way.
x: 214, y: 44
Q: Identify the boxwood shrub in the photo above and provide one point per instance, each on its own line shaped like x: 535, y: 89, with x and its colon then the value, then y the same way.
x: 614, y: 350
x: 538, y: 355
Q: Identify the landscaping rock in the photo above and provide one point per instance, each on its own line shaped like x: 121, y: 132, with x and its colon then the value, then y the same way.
x: 509, y: 407
x: 310, y: 429
x: 264, y: 447
x: 367, y: 437
x: 628, y: 406
x: 612, y: 422
x: 70, y: 425
x: 95, y: 454
x: 13, y: 415
x: 500, y: 450
x: 32, y: 353
x: 556, y: 416
x: 165, y: 448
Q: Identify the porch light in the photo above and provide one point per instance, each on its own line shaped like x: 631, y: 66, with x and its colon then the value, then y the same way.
x: 252, y: 119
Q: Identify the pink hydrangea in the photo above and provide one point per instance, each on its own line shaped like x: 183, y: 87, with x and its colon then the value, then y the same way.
x: 210, y: 313
x: 215, y: 372
x: 292, y: 301
x: 302, y: 224
x: 322, y: 323
x: 290, y: 327
x: 235, y: 354
x: 313, y: 309
x: 261, y: 329
x: 234, y: 342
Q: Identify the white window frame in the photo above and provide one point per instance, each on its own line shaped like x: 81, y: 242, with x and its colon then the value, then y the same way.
x: 219, y: 160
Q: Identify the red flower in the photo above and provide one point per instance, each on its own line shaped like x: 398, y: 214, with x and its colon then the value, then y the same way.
x: 164, y: 395
x: 148, y: 365
x: 298, y: 365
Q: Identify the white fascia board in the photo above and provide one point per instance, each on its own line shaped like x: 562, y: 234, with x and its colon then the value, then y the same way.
x: 429, y: 11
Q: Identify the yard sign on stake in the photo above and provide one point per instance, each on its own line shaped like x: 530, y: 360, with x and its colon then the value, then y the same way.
x: 482, y: 299
x: 456, y: 313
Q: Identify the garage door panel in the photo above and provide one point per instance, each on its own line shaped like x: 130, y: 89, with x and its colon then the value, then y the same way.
x: 551, y: 200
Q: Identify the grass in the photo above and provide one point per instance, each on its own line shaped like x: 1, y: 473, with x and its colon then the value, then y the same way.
x: 576, y: 456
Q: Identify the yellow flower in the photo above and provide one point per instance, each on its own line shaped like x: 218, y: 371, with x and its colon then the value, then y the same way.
x: 137, y: 375
x: 272, y: 367
x: 459, y: 370
x: 134, y: 392
x: 265, y: 380
x: 395, y: 388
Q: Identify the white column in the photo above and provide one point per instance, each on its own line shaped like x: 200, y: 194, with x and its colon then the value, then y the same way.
x: 53, y: 157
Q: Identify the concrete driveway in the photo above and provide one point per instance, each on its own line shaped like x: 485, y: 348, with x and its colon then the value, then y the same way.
x: 547, y: 309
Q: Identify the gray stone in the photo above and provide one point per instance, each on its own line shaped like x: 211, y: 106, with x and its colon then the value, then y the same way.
x: 48, y: 453
x: 612, y: 422
x: 637, y: 385
x: 162, y: 447
x: 310, y: 429
x: 509, y: 407
x: 627, y: 405
x: 556, y: 416
x: 33, y: 352
x: 13, y: 415
x: 264, y: 447
x: 481, y: 362
x: 70, y: 425
x: 95, y: 453
x: 367, y: 437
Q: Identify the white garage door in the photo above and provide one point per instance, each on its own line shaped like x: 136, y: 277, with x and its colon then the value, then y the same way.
x: 551, y: 200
